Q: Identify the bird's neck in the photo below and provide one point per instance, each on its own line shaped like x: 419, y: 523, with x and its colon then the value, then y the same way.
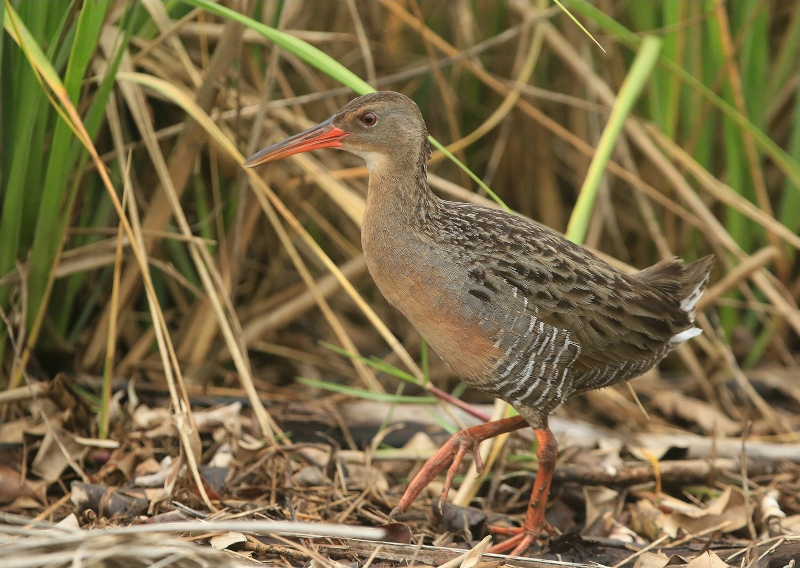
x: 399, y: 191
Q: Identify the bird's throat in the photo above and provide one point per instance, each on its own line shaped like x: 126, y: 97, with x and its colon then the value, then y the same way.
x: 398, y: 194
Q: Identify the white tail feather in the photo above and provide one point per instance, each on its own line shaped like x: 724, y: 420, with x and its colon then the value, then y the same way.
x: 685, y: 335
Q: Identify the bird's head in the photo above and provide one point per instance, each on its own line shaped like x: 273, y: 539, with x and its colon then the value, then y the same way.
x: 375, y: 127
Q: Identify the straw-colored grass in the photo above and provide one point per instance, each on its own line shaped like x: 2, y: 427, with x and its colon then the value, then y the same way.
x: 132, y: 239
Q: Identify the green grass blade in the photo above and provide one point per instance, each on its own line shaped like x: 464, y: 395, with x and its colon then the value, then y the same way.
x: 51, y: 212
x: 298, y: 47
x: 628, y: 94
x: 102, y: 213
x: 424, y: 362
x: 443, y: 423
x: 753, y: 55
x: 375, y: 363
x: 789, y: 166
x: 58, y: 41
x: 699, y: 126
x: 733, y: 146
x: 2, y: 42
x: 789, y: 213
x: 786, y: 62
x: 365, y: 394
x: 577, y: 23
x: 436, y: 144
x: 327, y: 65
x: 27, y: 110
x: 674, y: 49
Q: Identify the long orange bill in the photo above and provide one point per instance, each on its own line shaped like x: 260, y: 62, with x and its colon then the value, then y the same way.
x: 324, y: 135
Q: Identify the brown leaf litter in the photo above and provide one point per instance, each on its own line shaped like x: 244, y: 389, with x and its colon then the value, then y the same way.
x: 605, y: 501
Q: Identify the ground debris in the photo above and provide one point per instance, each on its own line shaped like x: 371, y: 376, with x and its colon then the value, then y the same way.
x: 614, y: 498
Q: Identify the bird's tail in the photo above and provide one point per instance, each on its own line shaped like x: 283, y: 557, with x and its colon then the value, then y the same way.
x: 683, y: 282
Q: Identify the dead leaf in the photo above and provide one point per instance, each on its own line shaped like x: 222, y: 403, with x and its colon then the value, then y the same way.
x: 109, y: 502
x: 319, y: 456
x: 153, y: 474
x: 172, y: 473
x: 650, y: 560
x: 707, y: 560
x: 598, y: 500
x: 421, y: 445
x: 647, y: 454
x: 359, y: 477
x: 730, y: 508
x: 69, y: 522
x: 29, y: 503
x: 50, y: 461
x: 168, y: 517
x: 456, y: 518
x: 791, y: 524
x: 770, y: 509
x: 474, y: 556
x: 146, y: 467
x: 397, y: 533
x: 119, y: 467
x: 714, y: 507
x: 309, y: 476
x: 13, y: 487
x: 709, y: 418
x: 222, y: 457
x: 620, y: 532
x: 226, y: 416
x: 647, y: 519
x: 13, y: 432
x: 471, y: 558
x: 214, y: 478
x: 145, y: 418
x: 223, y: 541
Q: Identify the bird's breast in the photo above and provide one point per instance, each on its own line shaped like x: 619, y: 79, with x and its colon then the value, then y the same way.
x: 426, y: 287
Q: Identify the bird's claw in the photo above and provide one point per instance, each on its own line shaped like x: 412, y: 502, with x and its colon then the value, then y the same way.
x: 464, y: 444
x: 452, y: 454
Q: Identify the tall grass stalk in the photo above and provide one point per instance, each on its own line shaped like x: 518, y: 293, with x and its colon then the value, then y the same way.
x: 628, y: 94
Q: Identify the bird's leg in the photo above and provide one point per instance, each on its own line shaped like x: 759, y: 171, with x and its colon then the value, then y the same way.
x: 452, y: 453
x: 546, y: 452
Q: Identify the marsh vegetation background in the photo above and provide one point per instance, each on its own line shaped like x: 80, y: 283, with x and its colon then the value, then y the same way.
x: 134, y: 250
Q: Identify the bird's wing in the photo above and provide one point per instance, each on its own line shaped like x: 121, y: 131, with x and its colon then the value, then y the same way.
x: 614, y: 317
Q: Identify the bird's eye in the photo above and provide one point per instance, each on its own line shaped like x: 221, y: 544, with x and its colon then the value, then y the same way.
x: 369, y: 118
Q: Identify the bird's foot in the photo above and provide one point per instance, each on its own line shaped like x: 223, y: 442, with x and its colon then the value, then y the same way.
x: 546, y: 452
x: 453, y: 453
x: 513, y: 531
x: 521, y: 538
x: 517, y: 545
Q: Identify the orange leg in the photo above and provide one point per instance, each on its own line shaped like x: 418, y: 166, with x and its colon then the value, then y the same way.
x: 547, y: 452
x: 453, y: 453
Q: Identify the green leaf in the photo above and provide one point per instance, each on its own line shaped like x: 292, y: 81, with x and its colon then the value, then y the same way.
x: 365, y: 394
x: 28, y: 109
x: 628, y: 94
x: 298, y: 47
x: 327, y: 65
x: 52, y: 211
x: 784, y: 161
x: 375, y: 363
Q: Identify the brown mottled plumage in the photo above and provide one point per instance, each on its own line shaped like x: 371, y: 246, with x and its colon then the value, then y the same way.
x: 514, y: 308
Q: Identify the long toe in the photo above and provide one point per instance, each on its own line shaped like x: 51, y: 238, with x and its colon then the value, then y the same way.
x: 523, y: 546
x: 521, y: 539
x: 452, y: 453
x: 516, y: 544
x: 512, y: 531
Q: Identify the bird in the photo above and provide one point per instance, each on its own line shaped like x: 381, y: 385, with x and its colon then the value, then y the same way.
x: 516, y: 310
